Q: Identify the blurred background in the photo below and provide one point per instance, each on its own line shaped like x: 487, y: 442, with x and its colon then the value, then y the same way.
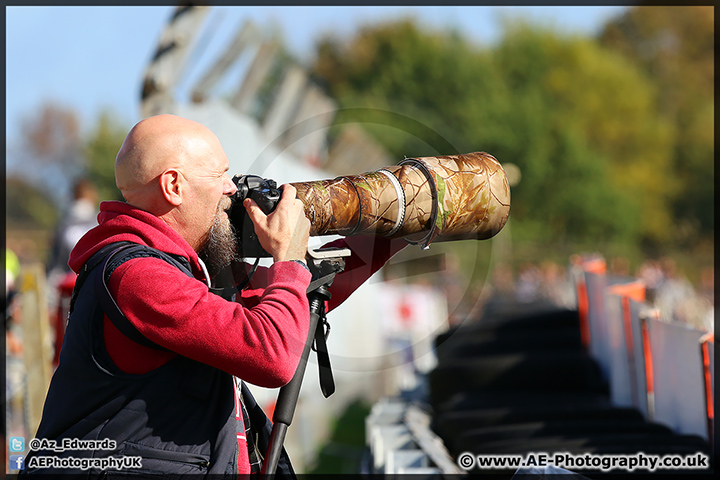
x: 603, y: 118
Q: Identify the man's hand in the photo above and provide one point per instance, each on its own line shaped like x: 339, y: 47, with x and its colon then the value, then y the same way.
x: 285, y: 232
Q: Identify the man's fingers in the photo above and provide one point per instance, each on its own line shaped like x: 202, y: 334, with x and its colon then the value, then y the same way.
x: 255, y: 212
x: 284, y: 232
x: 288, y: 191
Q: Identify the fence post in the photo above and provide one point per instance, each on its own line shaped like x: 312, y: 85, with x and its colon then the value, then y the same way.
x: 647, y: 352
x: 36, y: 340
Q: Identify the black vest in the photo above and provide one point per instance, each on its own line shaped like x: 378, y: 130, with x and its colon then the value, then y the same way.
x: 180, y: 417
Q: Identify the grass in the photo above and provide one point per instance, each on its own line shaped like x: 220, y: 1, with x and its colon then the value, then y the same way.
x: 343, y: 452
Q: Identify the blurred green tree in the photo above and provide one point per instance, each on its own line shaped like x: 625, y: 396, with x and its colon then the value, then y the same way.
x: 52, y: 137
x: 580, y: 122
x: 50, y: 156
x: 48, y: 150
x: 100, y: 151
x: 675, y: 46
x: 41, y: 163
x: 583, y: 118
x: 401, y: 69
x: 28, y: 206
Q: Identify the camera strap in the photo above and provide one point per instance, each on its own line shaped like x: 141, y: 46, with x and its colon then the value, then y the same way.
x: 323, y: 275
x: 327, y: 382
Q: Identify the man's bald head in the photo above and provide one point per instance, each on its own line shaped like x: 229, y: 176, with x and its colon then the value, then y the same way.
x: 155, y: 145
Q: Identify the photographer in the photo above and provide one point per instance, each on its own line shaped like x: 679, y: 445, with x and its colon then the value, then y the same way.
x: 157, y: 373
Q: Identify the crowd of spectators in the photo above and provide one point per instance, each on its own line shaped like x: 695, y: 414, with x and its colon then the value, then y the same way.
x: 668, y: 289
x: 674, y: 295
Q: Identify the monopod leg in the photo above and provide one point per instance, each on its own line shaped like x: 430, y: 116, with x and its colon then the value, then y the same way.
x: 288, y: 396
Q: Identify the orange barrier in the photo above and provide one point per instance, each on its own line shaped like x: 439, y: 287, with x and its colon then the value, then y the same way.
x: 704, y: 349
x: 583, y: 312
x: 597, y: 266
x: 634, y: 290
x: 629, y: 339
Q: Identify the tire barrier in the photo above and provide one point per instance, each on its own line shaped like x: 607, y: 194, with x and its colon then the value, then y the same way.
x: 543, y: 371
x: 453, y: 424
x: 482, y: 400
x: 519, y: 380
x: 511, y: 317
x: 506, y: 341
x: 565, y: 428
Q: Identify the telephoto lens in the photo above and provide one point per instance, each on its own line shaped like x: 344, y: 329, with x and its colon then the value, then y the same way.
x: 425, y: 199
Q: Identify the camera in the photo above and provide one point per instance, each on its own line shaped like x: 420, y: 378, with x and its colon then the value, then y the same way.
x: 266, y: 194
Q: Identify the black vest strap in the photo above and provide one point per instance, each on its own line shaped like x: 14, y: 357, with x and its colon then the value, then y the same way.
x: 89, y: 266
x: 115, y: 255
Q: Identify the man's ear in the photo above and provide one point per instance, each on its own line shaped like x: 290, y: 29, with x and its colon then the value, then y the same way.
x: 171, y: 186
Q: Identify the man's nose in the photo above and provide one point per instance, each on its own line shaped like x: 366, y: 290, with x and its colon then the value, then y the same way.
x: 230, y: 187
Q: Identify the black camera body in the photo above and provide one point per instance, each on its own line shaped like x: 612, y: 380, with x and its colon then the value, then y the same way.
x: 266, y: 195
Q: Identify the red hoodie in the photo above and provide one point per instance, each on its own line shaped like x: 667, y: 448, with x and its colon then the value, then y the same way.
x: 258, y: 340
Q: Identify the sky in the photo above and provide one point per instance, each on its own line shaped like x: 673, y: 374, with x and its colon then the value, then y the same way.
x: 94, y: 58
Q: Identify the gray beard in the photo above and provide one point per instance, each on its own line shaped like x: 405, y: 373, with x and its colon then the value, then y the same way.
x: 220, y: 247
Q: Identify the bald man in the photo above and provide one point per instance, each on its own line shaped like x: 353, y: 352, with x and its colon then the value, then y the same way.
x: 152, y: 359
